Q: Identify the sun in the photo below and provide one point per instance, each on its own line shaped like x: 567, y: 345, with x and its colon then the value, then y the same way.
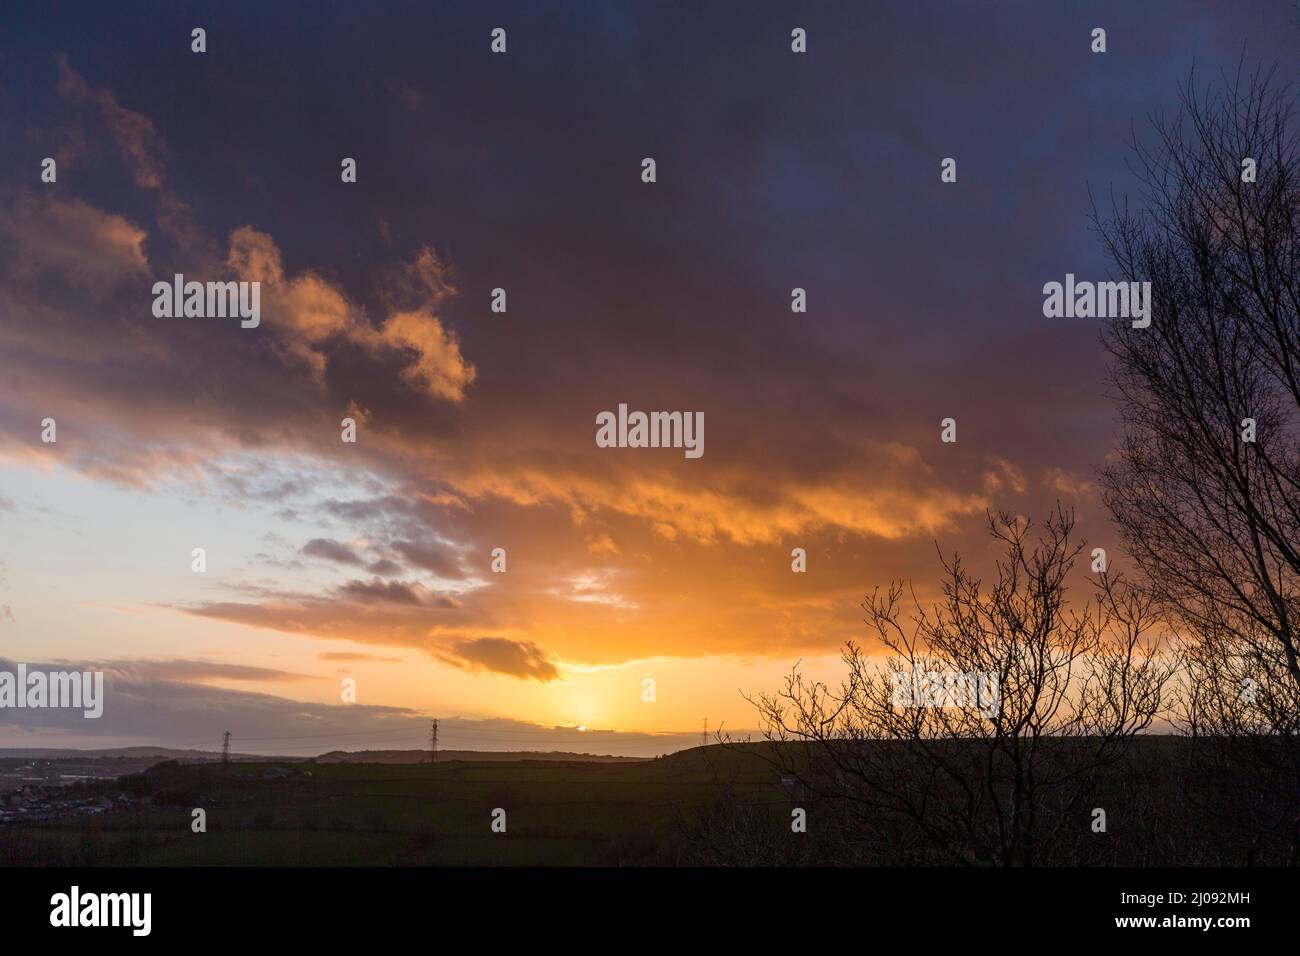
x: 582, y: 728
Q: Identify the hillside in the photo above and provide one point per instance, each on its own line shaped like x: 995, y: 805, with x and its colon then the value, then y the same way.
x: 478, y: 756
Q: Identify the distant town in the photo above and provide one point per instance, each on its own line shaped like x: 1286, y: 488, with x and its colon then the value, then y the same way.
x: 45, y: 785
x: 37, y: 790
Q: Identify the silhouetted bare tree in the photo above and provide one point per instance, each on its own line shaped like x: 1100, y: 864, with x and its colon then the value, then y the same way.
x: 1005, y: 761
x: 1209, y: 506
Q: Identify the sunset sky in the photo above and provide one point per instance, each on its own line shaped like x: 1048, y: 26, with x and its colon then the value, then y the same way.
x: 476, y: 429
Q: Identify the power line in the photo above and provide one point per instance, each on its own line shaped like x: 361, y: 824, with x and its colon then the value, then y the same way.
x: 412, y: 743
x: 571, y: 731
x: 543, y: 734
x: 357, y: 733
x: 465, y: 738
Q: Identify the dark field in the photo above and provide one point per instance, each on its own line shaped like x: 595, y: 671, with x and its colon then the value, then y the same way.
x: 558, y: 813
x: 727, y: 805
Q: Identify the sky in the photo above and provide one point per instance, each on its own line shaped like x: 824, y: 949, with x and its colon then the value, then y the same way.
x: 371, y: 561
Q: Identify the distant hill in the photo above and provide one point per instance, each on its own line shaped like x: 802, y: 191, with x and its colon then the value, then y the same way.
x: 61, y: 753
x: 476, y: 756
x: 333, y: 756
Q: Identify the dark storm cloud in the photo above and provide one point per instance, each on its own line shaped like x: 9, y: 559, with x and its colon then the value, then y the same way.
x: 775, y: 171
